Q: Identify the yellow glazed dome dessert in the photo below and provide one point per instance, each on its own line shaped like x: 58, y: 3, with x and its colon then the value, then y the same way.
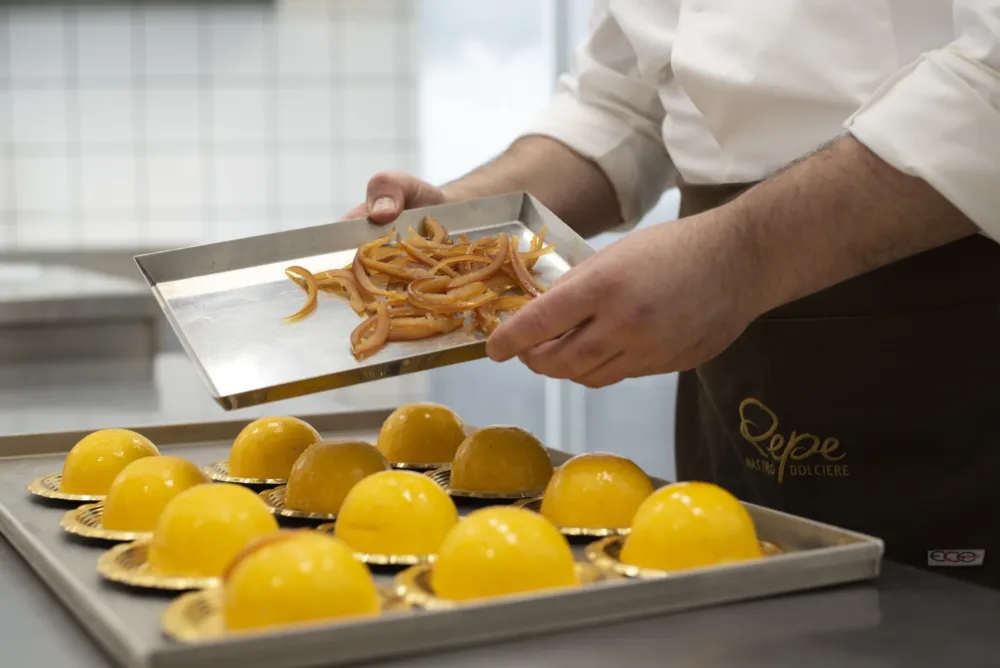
x: 598, y: 491
x: 295, y: 577
x: 327, y: 471
x: 143, y: 488
x: 269, y: 446
x: 421, y: 433
x: 396, y: 512
x: 93, y: 463
x: 204, y: 527
x: 690, y: 524
x: 502, y: 550
x: 501, y: 460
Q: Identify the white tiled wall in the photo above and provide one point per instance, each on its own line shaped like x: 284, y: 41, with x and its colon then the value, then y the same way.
x: 149, y: 123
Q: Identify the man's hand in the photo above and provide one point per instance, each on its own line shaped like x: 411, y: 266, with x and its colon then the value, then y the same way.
x: 662, y: 299
x: 673, y: 296
x: 390, y: 193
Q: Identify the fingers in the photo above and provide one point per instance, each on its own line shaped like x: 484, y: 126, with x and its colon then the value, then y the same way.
x: 387, y: 196
x: 610, y: 372
x: 576, y: 354
x: 360, y: 211
x: 547, y: 317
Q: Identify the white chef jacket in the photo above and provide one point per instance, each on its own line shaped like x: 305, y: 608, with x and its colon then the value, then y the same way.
x: 728, y: 91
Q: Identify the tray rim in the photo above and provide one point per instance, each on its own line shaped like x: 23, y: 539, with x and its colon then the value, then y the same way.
x: 605, y: 602
x: 150, y: 266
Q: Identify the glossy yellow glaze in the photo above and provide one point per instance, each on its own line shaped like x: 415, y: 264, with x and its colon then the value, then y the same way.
x: 204, y: 527
x: 421, y: 433
x: 597, y: 491
x: 269, y: 446
x: 502, y: 550
x: 501, y: 460
x: 690, y: 524
x: 296, y: 577
x: 396, y: 512
x: 93, y: 463
x: 143, y: 488
x: 327, y: 471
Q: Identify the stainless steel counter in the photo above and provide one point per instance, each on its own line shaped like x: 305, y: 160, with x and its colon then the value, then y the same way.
x: 906, y: 618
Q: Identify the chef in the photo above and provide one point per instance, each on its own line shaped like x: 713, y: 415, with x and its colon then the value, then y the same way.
x: 831, y: 291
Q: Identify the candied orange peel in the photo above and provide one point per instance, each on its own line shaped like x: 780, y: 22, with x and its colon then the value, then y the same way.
x: 427, y: 285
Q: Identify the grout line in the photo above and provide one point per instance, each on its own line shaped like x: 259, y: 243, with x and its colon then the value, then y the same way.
x: 181, y: 148
x: 338, y: 54
x: 140, y: 155
x: 272, y: 199
x: 74, y: 171
x: 8, y: 215
x: 206, y: 156
x: 229, y: 82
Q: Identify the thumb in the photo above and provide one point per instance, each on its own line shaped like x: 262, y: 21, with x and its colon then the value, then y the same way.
x: 388, y: 194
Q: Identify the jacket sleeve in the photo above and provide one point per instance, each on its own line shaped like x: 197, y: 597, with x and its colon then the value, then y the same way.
x: 939, y: 118
x: 608, y: 114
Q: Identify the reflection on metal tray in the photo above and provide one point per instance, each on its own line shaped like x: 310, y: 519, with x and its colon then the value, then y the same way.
x: 127, y: 622
x: 226, y: 301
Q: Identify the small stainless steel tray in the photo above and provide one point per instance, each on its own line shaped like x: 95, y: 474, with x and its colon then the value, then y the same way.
x: 226, y: 301
x: 126, y: 622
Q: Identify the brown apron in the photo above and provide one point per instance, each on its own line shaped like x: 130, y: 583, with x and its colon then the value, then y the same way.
x: 871, y: 405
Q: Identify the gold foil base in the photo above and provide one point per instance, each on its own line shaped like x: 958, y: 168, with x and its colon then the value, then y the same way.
x: 535, y: 505
x: 87, y: 521
x: 197, y: 617
x: 47, y: 487
x: 413, y: 586
x: 219, y: 472
x: 375, y: 559
x: 127, y: 564
x: 442, y: 477
x: 416, y: 466
x: 605, y: 555
x: 275, y: 500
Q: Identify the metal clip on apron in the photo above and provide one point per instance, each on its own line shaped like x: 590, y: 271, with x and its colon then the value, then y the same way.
x: 873, y: 405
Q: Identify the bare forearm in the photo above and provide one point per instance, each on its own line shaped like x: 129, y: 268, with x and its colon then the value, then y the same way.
x: 836, y: 215
x: 574, y: 188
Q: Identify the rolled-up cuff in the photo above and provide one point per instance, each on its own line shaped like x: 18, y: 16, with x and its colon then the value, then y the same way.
x: 935, y: 120
x: 636, y: 165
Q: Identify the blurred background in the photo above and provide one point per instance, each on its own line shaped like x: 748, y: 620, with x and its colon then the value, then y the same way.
x: 132, y: 127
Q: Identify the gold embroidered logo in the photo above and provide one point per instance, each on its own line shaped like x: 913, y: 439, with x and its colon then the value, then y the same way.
x: 797, y: 455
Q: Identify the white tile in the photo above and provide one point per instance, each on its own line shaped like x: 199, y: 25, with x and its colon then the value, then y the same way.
x: 304, y: 50
x: 361, y: 165
x: 238, y: 43
x: 238, y: 115
x: 371, y: 49
x: 107, y: 182
x: 104, y: 230
x: 239, y: 224
x: 172, y: 115
x: 176, y: 231
x: 106, y: 116
x: 38, y: 116
x: 171, y: 43
x: 303, y: 10
x: 42, y: 183
x: 104, y: 43
x: 174, y: 182
x: 37, y: 42
x: 38, y: 231
x: 306, y: 114
x: 4, y: 119
x: 240, y: 181
x: 374, y: 10
x: 371, y: 113
x: 305, y: 180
